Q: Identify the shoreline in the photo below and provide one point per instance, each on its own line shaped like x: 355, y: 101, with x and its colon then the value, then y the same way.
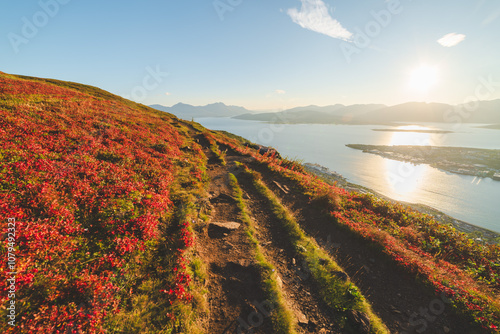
x: 457, y: 160
x: 475, y: 232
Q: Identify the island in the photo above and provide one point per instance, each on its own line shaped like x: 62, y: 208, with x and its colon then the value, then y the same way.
x: 491, y: 126
x: 414, y: 130
x: 459, y: 160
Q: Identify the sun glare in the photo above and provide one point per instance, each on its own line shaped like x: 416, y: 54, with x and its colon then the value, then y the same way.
x: 410, y: 138
x: 424, y: 77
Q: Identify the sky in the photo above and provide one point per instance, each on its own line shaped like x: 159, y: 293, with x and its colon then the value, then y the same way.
x: 260, y: 54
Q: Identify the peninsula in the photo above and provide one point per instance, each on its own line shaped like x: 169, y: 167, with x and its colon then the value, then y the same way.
x: 459, y: 160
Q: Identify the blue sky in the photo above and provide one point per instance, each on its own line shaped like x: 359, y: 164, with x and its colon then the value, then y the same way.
x: 261, y: 54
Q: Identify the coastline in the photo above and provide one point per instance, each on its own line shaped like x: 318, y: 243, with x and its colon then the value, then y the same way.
x: 475, y: 232
x: 458, y: 160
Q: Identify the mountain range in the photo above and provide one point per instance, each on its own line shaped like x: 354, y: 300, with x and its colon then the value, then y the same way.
x: 187, y: 111
x: 487, y: 112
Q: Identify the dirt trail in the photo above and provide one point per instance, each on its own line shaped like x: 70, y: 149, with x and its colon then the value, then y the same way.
x: 227, y: 254
x: 300, y: 294
x: 234, y: 281
x: 404, y: 305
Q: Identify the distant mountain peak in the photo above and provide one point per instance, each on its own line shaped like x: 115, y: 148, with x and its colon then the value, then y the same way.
x: 181, y: 104
x: 217, y: 109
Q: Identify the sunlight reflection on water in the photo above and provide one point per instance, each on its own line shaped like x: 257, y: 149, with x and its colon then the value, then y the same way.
x: 404, y: 179
x: 411, y: 138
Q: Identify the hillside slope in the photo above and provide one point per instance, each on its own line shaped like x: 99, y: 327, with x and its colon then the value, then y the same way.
x: 120, y: 218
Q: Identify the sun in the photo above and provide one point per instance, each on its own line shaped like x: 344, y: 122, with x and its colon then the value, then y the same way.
x: 424, y: 77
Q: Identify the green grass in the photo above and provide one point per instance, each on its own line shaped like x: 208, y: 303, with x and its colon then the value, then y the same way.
x: 341, y: 296
x: 282, y: 317
x: 218, y: 153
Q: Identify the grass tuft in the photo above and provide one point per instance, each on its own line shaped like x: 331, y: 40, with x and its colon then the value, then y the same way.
x: 282, y: 317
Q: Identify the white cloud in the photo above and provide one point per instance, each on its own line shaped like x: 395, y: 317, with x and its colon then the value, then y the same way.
x: 450, y: 40
x: 280, y: 91
x: 314, y: 15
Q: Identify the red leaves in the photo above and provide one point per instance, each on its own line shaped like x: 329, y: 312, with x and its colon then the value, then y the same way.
x: 80, y: 177
x: 182, y: 280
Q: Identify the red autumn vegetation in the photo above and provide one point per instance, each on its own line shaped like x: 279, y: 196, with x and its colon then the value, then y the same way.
x: 91, y: 180
x: 87, y: 180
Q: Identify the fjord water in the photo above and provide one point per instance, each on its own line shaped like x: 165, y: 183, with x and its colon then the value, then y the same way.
x: 468, y: 198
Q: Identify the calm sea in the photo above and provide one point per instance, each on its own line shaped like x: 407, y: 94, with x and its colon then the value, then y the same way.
x: 474, y: 200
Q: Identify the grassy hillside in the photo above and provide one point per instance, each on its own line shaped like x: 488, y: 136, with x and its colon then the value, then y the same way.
x: 120, y: 218
x: 93, y: 183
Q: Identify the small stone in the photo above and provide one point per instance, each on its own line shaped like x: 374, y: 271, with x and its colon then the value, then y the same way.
x: 222, y: 198
x: 279, y: 281
x: 227, y: 226
x: 281, y: 187
x: 446, y: 329
x: 394, y: 310
x: 244, y: 262
x: 293, y: 261
x: 302, y: 319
